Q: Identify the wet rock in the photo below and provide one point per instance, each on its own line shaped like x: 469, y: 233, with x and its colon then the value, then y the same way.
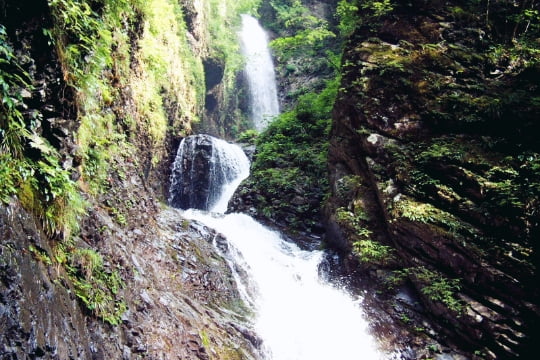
x: 203, y: 165
x: 422, y: 184
x: 39, y: 316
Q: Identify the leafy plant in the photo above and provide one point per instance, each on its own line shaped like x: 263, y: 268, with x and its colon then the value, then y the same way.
x: 40, y: 255
x: 9, y: 177
x: 13, y: 129
x: 290, y: 163
x: 248, y: 136
x: 372, y: 252
x: 433, y: 285
x: 347, y: 12
x: 43, y: 185
x: 439, y: 288
x: 96, y: 287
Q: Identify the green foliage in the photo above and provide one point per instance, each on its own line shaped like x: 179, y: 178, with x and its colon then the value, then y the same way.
x: 12, y: 79
x: 118, y: 216
x: 170, y: 83
x: 377, y: 8
x: 9, y: 178
x: 428, y: 214
x: 372, y: 252
x: 307, y: 40
x: 353, y: 220
x: 349, y: 18
x: 43, y: 185
x: 96, y: 286
x: 224, y: 40
x: 289, y: 14
x: 306, y: 43
x: 354, y: 13
x: 439, y: 288
x: 368, y: 250
x: 290, y: 161
x: 64, y: 203
x: 347, y: 188
x: 81, y: 39
x: 248, y: 136
x: 434, y: 285
x: 40, y: 255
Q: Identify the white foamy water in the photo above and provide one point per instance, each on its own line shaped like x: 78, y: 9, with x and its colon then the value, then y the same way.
x: 230, y: 156
x: 260, y: 74
x: 298, y: 315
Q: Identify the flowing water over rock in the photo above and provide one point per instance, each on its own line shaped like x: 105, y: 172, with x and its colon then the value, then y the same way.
x: 204, y: 170
x: 298, y: 315
x: 259, y: 71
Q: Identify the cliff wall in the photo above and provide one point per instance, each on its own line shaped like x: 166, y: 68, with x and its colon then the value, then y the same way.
x: 95, y: 97
x: 434, y: 170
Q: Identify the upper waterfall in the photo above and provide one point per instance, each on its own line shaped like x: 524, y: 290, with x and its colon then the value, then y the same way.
x: 260, y: 74
x: 206, y: 172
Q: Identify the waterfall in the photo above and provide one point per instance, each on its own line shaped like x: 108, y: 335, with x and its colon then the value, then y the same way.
x: 298, y: 315
x: 259, y: 70
x: 206, y: 171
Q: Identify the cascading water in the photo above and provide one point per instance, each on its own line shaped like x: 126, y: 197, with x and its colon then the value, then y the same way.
x: 259, y: 70
x: 297, y: 315
x: 205, y: 173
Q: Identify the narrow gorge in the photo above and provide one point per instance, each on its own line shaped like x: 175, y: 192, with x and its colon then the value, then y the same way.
x: 269, y: 179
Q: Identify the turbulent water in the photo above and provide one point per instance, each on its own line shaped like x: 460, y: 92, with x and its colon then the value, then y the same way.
x: 298, y: 315
x: 259, y: 70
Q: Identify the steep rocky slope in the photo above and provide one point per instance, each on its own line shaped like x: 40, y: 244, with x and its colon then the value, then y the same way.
x: 177, y: 293
x: 434, y: 170
x: 92, y: 265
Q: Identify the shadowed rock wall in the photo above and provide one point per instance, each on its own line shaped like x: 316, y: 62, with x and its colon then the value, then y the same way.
x: 433, y: 157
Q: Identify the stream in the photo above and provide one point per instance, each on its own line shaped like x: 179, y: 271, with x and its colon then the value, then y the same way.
x: 297, y: 314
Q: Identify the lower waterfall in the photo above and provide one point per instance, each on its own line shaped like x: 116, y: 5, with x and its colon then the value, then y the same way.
x: 206, y: 172
x: 298, y: 315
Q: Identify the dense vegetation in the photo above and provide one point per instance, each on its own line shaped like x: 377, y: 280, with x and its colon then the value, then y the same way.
x: 121, y: 79
x: 434, y: 129
x: 288, y: 180
x: 434, y: 161
x: 288, y: 176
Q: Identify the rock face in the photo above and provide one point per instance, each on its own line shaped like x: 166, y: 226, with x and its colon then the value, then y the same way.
x: 40, y: 318
x: 434, y: 175
x: 191, y: 187
x: 162, y: 291
x: 180, y: 294
x: 202, y: 167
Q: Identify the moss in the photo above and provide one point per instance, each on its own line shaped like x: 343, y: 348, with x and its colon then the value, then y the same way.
x: 289, y: 170
x: 427, y: 214
x: 373, y: 253
x: 169, y: 75
x: 40, y: 255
